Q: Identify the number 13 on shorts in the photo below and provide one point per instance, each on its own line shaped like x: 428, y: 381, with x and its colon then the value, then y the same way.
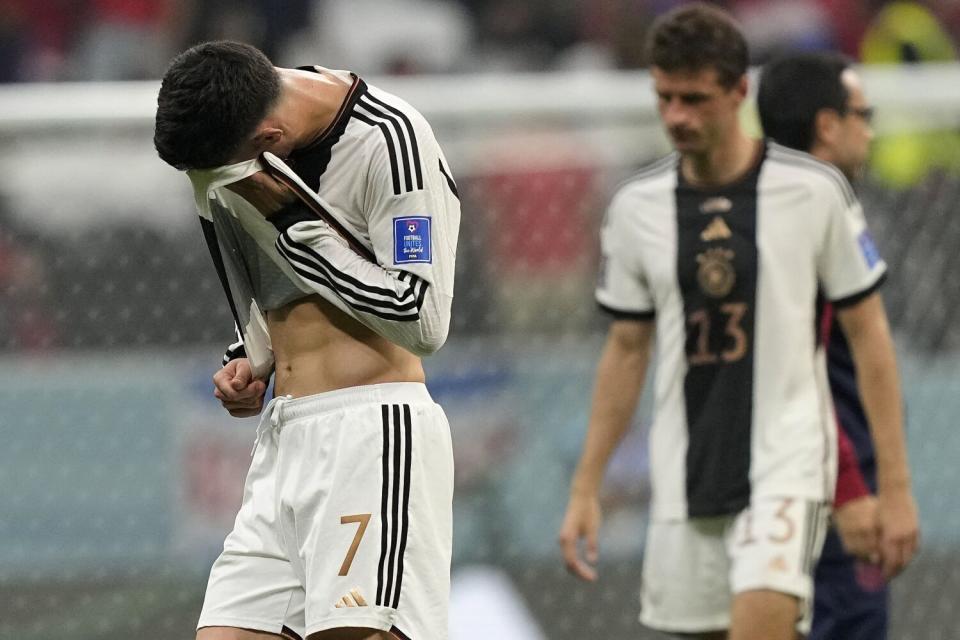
x: 776, y: 541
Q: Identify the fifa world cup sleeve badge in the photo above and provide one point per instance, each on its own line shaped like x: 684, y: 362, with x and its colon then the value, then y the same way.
x: 868, y: 248
x: 411, y: 240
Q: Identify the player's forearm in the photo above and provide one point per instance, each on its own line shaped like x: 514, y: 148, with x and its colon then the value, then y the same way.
x: 880, y: 389
x: 397, y: 304
x: 620, y: 376
x: 879, y: 386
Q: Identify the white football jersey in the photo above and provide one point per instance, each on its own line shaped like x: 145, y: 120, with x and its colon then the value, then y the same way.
x: 378, y: 170
x: 730, y: 276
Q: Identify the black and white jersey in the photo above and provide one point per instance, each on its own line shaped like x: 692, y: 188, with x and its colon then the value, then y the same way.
x: 379, y: 170
x: 730, y: 276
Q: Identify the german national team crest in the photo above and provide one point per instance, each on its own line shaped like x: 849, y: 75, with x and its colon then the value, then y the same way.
x: 716, y: 274
x: 411, y: 240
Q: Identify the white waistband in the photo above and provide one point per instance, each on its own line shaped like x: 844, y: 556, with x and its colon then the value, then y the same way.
x: 285, y: 409
x: 288, y: 408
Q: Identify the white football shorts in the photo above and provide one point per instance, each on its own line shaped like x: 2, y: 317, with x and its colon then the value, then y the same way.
x: 693, y: 568
x: 346, y: 518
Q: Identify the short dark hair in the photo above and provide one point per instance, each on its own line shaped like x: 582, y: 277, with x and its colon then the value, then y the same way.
x: 212, y: 97
x: 793, y: 89
x: 698, y: 36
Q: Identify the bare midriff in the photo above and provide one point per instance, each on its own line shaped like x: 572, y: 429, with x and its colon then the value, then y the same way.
x: 319, y: 348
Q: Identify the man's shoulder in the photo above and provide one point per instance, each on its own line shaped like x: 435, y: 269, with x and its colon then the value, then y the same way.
x: 387, y: 105
x: 801, y: 168
x: 386, y: 124
x: 655, y: 178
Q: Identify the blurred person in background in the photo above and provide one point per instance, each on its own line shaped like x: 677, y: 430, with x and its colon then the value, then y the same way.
x: 126, y: 39
x: 816, y: 103
x: 36, y: 39
x: 27, y: 313
x: 910, y: 33
x: 721, y: 247
x: 354, y: 269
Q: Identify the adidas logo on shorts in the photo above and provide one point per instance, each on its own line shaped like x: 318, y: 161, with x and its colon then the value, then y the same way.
x: 352, y: 599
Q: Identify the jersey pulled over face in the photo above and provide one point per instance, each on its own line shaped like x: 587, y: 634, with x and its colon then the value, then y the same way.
x: 379, y: 173
x: 730, y: 276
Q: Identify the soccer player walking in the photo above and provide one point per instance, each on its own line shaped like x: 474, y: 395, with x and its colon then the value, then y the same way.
x: 332, y: 218
x: 816, y: 103
x: 720, y: 249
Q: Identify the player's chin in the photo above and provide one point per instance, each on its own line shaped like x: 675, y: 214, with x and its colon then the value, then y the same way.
x: 686, y: 144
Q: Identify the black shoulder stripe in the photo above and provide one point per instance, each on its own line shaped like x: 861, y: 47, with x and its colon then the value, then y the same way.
x: 391, y: 149
x: 410, y: 131
x: 799, y: 159
x: 394, y: 124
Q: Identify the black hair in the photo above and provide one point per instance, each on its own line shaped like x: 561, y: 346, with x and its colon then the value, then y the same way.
x: 698, y: 36
x: 211, y: 99
x: 793, y: 89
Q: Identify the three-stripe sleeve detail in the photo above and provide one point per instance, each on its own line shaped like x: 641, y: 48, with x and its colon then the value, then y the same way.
x: 395, y: 502
x: 386, y: 303
x: 414, y: 148
x: 401, y: 140
x: 391, y: 148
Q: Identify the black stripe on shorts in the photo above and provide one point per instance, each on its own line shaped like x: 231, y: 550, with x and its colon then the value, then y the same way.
x: 395, y: 502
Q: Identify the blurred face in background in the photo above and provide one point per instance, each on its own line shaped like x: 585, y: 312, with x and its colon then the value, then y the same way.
x: 698, y: 112
x: 845, y: 141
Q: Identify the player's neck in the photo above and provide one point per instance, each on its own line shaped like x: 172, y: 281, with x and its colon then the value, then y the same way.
x: 723, y: 164
x: 309, y: 103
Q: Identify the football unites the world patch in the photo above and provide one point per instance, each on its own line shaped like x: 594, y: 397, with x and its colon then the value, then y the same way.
x: 411, y: 240
x: 868, y: 248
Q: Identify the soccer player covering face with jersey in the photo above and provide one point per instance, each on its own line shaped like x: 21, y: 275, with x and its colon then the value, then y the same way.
x: 719, y: 249
x: 815, y: 102
x: 332, y: 217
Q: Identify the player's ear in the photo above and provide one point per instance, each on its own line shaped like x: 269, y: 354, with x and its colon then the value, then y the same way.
x: 743, y: 86
x: 826, y: 126
x: 266, y: 138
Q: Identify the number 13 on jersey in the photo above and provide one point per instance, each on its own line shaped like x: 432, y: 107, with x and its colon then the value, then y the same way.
x: 716, y: 335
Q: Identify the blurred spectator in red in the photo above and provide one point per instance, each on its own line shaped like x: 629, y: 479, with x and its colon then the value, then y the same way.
x: 35, y: 38
x: 849, y: 19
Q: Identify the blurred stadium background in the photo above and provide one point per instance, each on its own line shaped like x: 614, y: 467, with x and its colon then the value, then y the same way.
x: 120, y: 474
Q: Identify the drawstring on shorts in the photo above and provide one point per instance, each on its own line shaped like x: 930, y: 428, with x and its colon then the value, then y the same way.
x: 269, y: 420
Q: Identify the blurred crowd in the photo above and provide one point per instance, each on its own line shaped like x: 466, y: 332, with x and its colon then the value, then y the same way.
x: 57, y: 40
